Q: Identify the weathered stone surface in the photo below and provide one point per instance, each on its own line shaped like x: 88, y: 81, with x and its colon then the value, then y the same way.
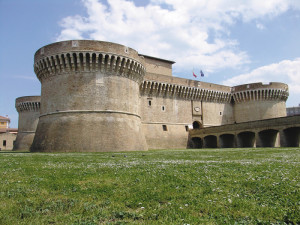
x: 28, y: 108
x: 90, y: 97
x: 102, y: 96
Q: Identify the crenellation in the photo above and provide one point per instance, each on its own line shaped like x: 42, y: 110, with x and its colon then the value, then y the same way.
x: 185, y: 92
x: 83, y: 62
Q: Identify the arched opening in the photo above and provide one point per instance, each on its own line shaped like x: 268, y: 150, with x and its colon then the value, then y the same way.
x: 196, y: 142
x: 226, y: 141
x: 292, y: 137
x: 246, y: 139
x: 267, y: 138
x: 197, y: 125
x: 210, y: 141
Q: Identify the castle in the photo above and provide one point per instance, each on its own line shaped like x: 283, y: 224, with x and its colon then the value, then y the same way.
x: 102, y: 96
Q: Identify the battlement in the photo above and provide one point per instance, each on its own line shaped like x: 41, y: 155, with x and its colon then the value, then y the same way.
x: 155, y: 88
x: 88, y: 56
x: 28, y: 103
x: 260, y: 92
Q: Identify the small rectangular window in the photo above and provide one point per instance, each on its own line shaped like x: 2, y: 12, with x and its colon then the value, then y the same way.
x: 149, y: 103
x: 163, y: 108
x: 220, y: 113
x: 186, y: 128
x: 4, y: 143
x: 164, y: 127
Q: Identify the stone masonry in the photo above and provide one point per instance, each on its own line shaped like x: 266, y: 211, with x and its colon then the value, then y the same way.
x: 102, y: 96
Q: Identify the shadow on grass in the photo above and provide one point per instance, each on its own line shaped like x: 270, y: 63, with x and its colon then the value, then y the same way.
x: 7, y: 151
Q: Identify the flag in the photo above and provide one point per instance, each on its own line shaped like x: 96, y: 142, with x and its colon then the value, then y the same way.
x: 202, y: 74
x: 194, y: 75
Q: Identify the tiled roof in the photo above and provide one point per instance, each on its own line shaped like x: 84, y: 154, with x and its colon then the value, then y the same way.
x: 2, y: 118
x: 9, y: 130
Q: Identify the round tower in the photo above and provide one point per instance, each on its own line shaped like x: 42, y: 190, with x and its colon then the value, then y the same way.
x: 28, y: 108
x: 258, y: 101
x: 89, y: 97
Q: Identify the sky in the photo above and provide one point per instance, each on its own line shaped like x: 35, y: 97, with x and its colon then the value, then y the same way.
x: 233, y: 42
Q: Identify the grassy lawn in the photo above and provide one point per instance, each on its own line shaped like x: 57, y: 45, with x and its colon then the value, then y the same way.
x: 209, y: 186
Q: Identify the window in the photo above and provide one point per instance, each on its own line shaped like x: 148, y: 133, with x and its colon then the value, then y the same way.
x: 163, y: 108
x: 4, y: 143
x: 220, y: 113
x: 149, y: 103
x: 164, y: 127
x: 186, y: 128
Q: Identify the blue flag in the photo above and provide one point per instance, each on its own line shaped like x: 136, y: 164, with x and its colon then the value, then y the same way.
x: 202, y: 74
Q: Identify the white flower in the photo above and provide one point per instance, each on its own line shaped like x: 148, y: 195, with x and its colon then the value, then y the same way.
x: 229, y: 200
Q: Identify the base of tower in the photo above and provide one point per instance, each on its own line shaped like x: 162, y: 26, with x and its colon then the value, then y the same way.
x: 89, y: 132
x: 23, y: 141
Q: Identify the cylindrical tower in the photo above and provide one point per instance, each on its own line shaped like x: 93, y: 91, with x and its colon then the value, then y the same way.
x: 259, y: 101
x: 28, y: 108
x: 89, y: 98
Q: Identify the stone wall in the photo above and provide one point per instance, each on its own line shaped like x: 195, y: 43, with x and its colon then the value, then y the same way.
x: 89, y: 98
x: 101, y: 96
x: 157, y: 66
x: 259, y: 101
x: 7, y: 141
x: 28, y: 108
x: 276, y: 132
x: 169, y: 105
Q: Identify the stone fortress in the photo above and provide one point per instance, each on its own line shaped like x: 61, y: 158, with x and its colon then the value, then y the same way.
x: 102, y: 96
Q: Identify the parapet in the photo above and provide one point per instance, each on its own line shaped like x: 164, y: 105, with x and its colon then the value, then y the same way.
x: 155, y: 88
x: 167, y: 86
x: 88, y: 56
x: 259, y: 91
x: 28, y: 103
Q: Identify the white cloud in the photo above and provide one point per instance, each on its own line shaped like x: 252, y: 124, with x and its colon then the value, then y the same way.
x: 192, y: 33
x: 260, y: 26
x: 286, y: 71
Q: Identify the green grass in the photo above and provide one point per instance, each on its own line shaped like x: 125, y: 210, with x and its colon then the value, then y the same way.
x: 209, y: 186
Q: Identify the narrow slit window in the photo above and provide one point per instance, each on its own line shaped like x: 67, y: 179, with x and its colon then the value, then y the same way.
x: 4, y: 143
x: 165, y: 128
x: 163, y: 108
x: 186, y: 128
x: 149, y: 103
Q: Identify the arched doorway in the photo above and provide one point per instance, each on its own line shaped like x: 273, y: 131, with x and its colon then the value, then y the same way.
x: 210, y: 141
x: 268, y: 138
x: 196, y: 142
x: 197, y: 125
x: 292, y: 137
x: 227, y: 141
x: 246, y: 139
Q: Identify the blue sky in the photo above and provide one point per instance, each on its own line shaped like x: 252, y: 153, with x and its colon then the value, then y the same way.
x: 233, y: 42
